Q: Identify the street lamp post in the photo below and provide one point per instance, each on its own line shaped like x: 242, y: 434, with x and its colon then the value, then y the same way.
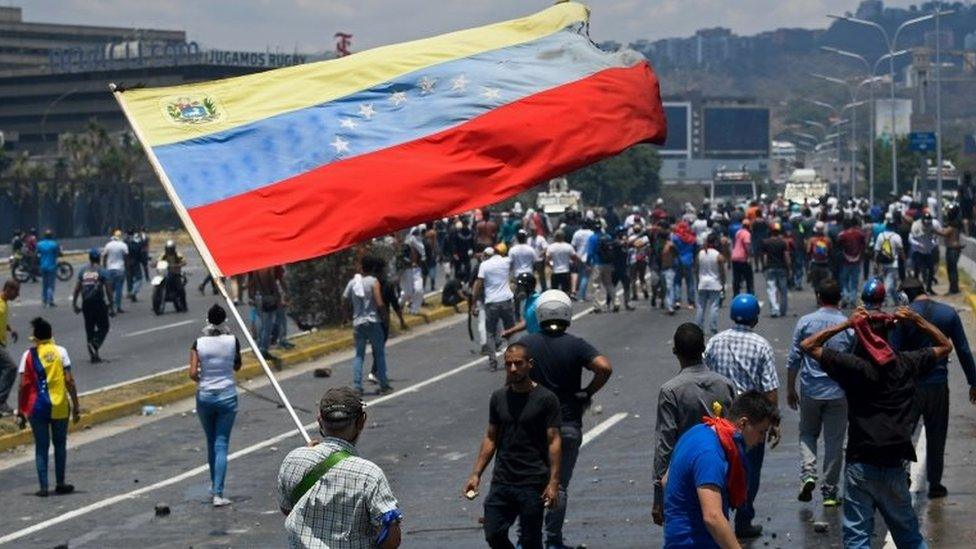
x: 853, y: 135
x: 890, y: 44
x: 853, y: 90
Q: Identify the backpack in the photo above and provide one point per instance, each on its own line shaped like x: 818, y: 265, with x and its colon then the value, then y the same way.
x: 886, y: 252
x: 820, y: 252
x: 606, y: 248
x: 92, y: 286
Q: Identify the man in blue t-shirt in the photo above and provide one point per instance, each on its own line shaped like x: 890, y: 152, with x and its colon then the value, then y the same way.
x: 697, y: 487
x: 526, y: 283
x: 48, y: 252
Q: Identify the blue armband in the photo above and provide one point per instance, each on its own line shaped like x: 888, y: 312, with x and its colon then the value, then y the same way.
x: 386, y: 521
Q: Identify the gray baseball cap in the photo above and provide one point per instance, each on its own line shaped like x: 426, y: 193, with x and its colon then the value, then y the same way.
x: 340, y: 404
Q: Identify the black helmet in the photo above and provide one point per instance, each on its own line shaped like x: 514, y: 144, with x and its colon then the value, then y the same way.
x: 526, y: 280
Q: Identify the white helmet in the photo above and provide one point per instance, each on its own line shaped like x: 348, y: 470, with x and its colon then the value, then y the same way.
x: 554, y: 306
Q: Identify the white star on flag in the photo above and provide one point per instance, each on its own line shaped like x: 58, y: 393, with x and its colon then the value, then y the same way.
x: 366, y: 111
x: 427, y: 84
x: 490, y: 93
x: 398, y: 98
x: 459, y: 83
x: 348, y: 123
x: 340, y: 145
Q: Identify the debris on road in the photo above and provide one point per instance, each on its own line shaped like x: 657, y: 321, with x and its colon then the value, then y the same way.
x: 820, y: 527
x: 322, y: 372
x: 162, y: 510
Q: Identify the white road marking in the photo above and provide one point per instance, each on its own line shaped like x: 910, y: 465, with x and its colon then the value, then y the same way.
x: 602, y: 427
x: 101, y: 504
x: 917, y: 474
x: 163, y: 327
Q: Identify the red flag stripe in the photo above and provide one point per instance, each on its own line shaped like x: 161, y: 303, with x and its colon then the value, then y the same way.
x: 483, y: 161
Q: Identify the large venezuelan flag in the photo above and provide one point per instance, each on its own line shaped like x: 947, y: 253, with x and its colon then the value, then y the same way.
x: 298, y: 162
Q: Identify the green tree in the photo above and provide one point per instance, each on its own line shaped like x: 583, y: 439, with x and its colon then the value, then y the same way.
x: 909, y: 166
x: 631, y: 176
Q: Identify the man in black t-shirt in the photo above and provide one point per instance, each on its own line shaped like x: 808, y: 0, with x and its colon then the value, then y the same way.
x: 881, y: 398
x: 523, y: 435
x: 776, y: 262
x: 559, y: 359
x: 95, y: 291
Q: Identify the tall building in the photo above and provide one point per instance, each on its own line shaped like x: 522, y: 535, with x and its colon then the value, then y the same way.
x: 25, y: 45
x: 711, y: 134
x: 54, y: 78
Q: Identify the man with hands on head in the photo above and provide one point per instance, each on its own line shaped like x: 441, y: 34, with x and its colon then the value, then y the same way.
x: 523, y: 434
x: 880, y: 385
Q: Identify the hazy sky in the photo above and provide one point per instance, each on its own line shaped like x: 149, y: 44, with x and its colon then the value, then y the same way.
x: 310, y: 25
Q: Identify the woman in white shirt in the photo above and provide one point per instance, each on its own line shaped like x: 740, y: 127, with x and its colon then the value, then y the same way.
x: 214, y: 358
x: 711, y: 281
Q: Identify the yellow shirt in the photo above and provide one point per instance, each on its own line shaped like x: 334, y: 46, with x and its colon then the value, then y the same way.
x: 3, y: 322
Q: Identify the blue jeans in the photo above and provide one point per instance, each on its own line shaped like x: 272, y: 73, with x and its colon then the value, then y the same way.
x: 885, y: 489
x: 685, y: 274
x: 264, y: 325
x: 708, y: 302
x: 371, y: 332
x: 583, y: 282
x: 45, y: 431
x: 48, y: 278
x: 850, y: 275
x: 754, y: 462
x: 669, y: 290
x: 117, y: 278
x: 217, y: 410
x: 890, y: 277
x: 799, y: 268
x: 776, y: 290
x: 572, y: 437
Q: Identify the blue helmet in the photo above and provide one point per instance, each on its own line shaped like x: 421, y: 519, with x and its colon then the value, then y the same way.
x: 873, y: 293
x: 744, y: 309
x: 94, y: 254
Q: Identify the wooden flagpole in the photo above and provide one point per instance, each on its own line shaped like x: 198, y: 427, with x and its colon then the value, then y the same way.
x: 208, y: 260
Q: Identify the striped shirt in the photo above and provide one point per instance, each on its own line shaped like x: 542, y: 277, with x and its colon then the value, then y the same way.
x: 744, y: 357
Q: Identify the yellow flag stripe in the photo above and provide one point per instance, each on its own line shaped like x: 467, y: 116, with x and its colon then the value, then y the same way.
x: 233, y: 102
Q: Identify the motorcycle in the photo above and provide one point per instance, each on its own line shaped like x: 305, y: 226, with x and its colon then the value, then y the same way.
x: 26, y: 267
x: 168, y: 288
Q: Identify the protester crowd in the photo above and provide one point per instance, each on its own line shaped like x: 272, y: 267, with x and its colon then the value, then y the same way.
x: 855, y: 372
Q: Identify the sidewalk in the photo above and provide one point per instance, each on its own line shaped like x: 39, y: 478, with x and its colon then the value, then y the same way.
x: 128, y: 399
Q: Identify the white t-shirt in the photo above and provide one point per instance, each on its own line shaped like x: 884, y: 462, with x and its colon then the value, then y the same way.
x: 539, y: 244
x: 924, y: 239
x: 523, y: 258
x: 115, y: 252
x: 896, y: 246
x: 494, y: 274
x: 701, y: 230
x: 708, y: 270
x: 65, y: 360
x: 561, y: 255
x: 581, y: 239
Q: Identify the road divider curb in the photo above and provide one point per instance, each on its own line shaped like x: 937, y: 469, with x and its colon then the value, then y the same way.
x: 129, y: 399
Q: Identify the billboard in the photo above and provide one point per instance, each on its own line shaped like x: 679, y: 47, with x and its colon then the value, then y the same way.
x: 679, y: 130
x: 731, y: 131
x: 903, y: 117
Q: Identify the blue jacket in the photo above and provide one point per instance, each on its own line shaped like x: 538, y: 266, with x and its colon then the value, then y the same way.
x: 946, y: 319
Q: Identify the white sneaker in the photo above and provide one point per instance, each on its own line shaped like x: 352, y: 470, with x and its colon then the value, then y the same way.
x: 219, y: 501
x: 372, y: 379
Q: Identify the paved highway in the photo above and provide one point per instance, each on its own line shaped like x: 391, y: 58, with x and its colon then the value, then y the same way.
x: 425, y: 437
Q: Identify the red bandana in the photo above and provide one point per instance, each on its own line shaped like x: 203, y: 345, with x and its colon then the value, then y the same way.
x: 876, y: 346
x: 736, y: 479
